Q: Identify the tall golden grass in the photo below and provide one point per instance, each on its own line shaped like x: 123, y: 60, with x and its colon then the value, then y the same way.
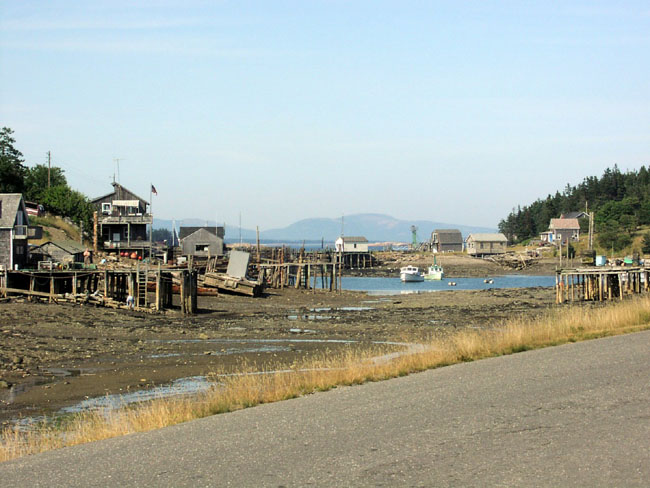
x: 355, y: 366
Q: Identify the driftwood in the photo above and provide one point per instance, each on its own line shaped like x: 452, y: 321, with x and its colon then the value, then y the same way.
x: 512, y: 260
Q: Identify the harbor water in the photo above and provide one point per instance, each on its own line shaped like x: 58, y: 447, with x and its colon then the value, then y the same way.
x: 394, y: 286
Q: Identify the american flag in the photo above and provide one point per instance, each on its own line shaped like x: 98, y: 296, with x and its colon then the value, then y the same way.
x: 153, y: 190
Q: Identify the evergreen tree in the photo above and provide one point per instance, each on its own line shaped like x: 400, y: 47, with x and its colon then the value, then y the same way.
x: 12, y: 170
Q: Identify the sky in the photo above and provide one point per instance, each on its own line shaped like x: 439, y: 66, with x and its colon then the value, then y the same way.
x: 278, y: 111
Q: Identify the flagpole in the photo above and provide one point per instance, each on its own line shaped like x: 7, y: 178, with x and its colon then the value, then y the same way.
x: 151, y: 228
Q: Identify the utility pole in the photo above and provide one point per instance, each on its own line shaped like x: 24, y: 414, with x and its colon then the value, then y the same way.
x: 591, y: 231
x: 49, y: 167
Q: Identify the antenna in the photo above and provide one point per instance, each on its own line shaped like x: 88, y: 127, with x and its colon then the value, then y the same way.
x: 342, y: 224
x: 117, y: 169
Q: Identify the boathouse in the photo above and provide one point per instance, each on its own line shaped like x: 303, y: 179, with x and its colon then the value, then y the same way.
x: 446, y: 240
x: 58, y: 252
x: 351, y: 244
x: 486, y: 244
x: 201, y: 241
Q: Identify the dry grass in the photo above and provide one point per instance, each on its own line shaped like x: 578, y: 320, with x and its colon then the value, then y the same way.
x: 329, y: 371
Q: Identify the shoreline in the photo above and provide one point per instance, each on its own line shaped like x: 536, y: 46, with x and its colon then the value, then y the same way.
x: 58, y: 355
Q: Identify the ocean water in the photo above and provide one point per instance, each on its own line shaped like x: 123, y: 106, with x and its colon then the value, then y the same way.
x: 393, y: 286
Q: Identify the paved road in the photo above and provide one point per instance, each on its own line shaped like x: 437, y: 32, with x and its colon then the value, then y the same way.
x: 575, y: 415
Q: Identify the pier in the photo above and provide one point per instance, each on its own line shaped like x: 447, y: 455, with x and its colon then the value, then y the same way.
x: 108, y: 288
x: 600, y: 284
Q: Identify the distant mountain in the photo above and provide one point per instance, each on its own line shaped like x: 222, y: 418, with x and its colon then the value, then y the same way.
x: 374, y: 227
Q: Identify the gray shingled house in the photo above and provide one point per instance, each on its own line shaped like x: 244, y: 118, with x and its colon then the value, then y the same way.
x: 446, y: 240
x: 201, y: 241
x: 14, y: 233
x: 486, y: 244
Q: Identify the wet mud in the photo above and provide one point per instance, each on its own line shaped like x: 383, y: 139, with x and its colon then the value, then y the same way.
x: 55, y: 356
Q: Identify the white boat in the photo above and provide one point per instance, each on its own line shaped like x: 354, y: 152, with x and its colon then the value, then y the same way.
x: 434, y: 272
x: 410, y: 274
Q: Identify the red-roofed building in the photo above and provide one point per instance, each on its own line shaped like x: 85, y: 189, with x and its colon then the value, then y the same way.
x: 563, y: 230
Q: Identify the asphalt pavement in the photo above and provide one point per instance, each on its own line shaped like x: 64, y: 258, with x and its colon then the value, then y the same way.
x: 573, y: 415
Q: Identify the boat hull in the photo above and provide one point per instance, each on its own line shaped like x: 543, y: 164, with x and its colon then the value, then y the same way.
x: 411, y: 277
x: 433, y: 276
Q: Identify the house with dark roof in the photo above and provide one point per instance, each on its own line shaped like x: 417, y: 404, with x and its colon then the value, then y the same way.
x: 14, y: 223
x: 351, y: 244
x: 446, y: 240
x: 486, y: 244
x: 201, y: 241
x: 574, y: 215
x: 123, y: 218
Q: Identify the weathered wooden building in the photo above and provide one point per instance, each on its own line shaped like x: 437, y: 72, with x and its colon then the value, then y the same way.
x: 446, y: 240
x: 122, y: 220
x: 486, y: 244
x: 59, y: 252
x: 201, y: 241
x: 14, y: 233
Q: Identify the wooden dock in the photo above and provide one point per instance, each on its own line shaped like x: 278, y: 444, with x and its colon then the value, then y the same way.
x: 600, y: 284
x: 106, y: 288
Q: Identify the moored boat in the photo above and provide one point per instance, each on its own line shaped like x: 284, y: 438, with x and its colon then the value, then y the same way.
x: 435, y: 272
x: 410, y: 274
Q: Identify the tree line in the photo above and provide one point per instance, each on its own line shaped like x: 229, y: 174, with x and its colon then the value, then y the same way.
x: 620, y: 202
x: 56, y: 195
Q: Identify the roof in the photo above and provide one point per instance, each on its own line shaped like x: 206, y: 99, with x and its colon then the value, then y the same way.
x: 567, y: 224
x: 187, y: 231
x: 449, y: 236
x: 354, y: 239
x: 573, y: 215
x: 497, y: 237
x: 71, y: 247
x: 115, y: 187
x: 10, y: 206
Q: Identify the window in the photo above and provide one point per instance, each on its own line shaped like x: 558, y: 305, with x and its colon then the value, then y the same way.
x: 106, y: 208
x: 201, y: 247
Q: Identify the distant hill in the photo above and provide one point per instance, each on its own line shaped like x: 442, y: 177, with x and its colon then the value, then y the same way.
x: 375, y: 227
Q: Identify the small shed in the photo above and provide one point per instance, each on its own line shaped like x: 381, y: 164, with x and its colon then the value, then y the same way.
x: 486, y: 244
x: 59, y: 252
x: 446, y: 240
x: 351, y: 244
x: 201, y: 241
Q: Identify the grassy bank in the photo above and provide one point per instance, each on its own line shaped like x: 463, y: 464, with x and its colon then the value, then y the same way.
x: 562, y: 325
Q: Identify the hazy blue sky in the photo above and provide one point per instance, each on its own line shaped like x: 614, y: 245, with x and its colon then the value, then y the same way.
x: 283, y: 110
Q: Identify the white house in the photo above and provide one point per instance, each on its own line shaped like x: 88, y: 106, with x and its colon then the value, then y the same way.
x: 351, y: 244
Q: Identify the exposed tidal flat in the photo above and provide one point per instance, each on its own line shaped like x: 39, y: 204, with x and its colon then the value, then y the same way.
x: 57, y: 356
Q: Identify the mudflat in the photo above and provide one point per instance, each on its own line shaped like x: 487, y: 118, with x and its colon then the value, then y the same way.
x: 57, y: 355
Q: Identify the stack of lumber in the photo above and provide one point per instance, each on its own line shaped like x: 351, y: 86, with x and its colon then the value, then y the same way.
x: 240, y: 286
